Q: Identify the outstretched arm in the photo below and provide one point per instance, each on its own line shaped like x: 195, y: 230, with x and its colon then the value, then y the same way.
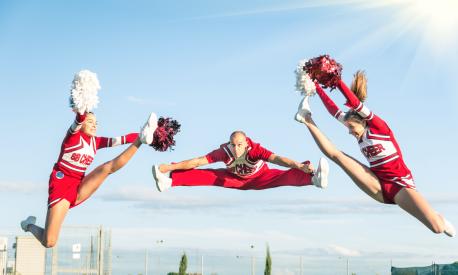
x: 77, y: 123
x: 286, y: 162
x: 329, y: 104
x: 102, y: 142
x: 353, y: 102
x: 184, y: 165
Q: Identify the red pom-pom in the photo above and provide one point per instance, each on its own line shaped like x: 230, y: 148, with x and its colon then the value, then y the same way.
x: 166, y: 129
x: 325, y: 70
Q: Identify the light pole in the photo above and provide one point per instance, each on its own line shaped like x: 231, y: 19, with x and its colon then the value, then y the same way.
x: 202, y: 265
x: 159, y: 242
x: 252, y: 259
x: 300, y: 265
x: 348, y: 264
x: 146, y: 261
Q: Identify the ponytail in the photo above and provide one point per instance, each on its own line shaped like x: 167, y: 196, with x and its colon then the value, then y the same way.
x: 359, y: 85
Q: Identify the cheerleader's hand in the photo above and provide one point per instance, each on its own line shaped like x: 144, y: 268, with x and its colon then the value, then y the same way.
x: 307, y: 167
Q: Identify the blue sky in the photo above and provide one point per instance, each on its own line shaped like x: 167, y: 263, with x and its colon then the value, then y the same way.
x: 218, y: 66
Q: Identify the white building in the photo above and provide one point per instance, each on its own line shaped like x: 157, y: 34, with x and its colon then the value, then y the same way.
x: 30, y: 256
x: 3, y: 254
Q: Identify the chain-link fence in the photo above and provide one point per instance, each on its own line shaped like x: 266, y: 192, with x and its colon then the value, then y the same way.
x: 88, y: 250
x: 81, y: 250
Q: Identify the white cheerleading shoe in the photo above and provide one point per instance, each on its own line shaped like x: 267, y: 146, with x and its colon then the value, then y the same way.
x: 147, y: 131
x: 163, y: 181
x: 449, y: 229
x: 303, y: 110
x: 25, y: 223
x: 320, y: 178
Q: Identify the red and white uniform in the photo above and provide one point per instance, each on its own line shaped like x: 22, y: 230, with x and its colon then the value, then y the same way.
x: 77, y: 153
x: 249, y: 171
x: 377, y: 144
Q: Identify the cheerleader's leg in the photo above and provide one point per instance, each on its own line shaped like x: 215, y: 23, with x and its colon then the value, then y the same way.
x: 416, y: 205
x: 361, y: 175
x: 54, y: 218
x: 94, y: 179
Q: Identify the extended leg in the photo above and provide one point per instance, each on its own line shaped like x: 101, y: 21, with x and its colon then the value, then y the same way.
x: 93, y: 180
x: 361, y: 175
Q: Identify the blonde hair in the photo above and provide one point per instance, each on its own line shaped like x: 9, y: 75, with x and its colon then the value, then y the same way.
x: 359, y: 85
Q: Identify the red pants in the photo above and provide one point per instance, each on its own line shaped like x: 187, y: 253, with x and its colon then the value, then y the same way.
x: 264, y: 179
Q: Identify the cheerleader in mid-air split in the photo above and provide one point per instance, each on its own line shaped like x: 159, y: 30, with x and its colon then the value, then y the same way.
x: 68, y: 184
x: 387, y: 179
x: 246, y: 169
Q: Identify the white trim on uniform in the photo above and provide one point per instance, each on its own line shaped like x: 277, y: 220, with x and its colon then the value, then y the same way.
x: 54, y: 201
x: 75, y: 146
x: 377, y: 135
x: 73, y: 168
x: 231, y: 159
x: 385, y: 161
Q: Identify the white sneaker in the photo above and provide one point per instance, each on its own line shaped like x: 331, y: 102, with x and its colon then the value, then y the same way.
x: 147, y: 131
x: 303, y: 110
x: 449, y: 229
x: 25, y: 223
x: 320, y: 179
x: 163, y: 181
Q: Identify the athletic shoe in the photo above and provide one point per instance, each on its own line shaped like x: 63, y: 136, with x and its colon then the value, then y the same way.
x: 147, y: 131
x: 25, y: 223
x: 303, y: 110
x: 320, y: 179
x: 449, y: 229
x: 163, y: 181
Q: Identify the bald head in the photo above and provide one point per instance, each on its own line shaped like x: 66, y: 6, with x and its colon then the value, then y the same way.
x: 237, y: 133
x: 238, y: 143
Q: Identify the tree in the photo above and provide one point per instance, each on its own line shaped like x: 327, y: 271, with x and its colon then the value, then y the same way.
x: 183, y: 265
x: 268, y: 268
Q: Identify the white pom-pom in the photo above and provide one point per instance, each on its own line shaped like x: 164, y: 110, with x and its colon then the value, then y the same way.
x: 304, y: 84
x: 83, y: 94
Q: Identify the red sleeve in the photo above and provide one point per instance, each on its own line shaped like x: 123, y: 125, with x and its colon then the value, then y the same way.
x: 328, y: 103
x: 103, y: 142
x: 378, y: 125
x: 77, y: 123
x: 352, y: 101
x: 71, y: 137
x: 130, y: 138
x: 216, y: 155
x: 259, y: 152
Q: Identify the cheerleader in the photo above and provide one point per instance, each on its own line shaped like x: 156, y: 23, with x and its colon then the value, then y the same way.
x: 69, y: 186
x: 387, y: 179
x: 246, y: 169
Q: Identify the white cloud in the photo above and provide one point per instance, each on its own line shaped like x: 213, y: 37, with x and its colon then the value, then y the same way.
x: 204, y: 238
x: 343, y: 251
x: 146, y: 198
x: 20, y: 186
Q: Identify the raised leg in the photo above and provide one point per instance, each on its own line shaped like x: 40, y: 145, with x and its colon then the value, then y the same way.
x: 93, y: 180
